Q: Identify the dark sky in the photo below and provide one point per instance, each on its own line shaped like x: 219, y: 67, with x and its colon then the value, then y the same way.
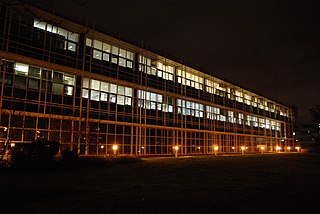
x: 269, y: 46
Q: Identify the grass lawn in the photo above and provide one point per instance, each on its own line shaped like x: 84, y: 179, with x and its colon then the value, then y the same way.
x: 268, y: 183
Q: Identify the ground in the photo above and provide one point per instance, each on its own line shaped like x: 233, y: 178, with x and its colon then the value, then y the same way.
x: 265, y: 183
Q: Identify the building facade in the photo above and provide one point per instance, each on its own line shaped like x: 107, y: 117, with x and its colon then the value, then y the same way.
x: 67, y: 82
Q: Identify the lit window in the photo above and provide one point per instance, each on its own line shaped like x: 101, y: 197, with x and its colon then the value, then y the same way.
x: 68, y: 90
x: 85, y: 93
x: 105, y: 86
x: 97, y: 44
x: 97, y: 54
x: 122, y: 62
x: 57, y: 88
x: 115, y: 50
x: 128, y: 101
x: 113, y: 98
x: 129, y: 92
x: 122, y: 53
x: 88, y: 42
x: 68, y: 79
x: 106, y: 57
x: 120, y: 100
x: 121, y: 90
x: 106, y: 47
x: 95, y: 84
x: 86, y: 83
x: 113, y: 88
x: 104, y: 96
x: 21, y: 69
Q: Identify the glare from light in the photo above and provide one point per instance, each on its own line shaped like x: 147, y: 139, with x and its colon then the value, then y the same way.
x: 198, y: 147
x: 297, y: 148
x: 243, y: 148
x: 115, y: 147
x: 232, y: 147
x: 176, y: 148
x: 215, y: 148
x: 12, y: 144
x: 278, y: 148
x: 102, y: 146
x: 289, y: 148
x: 262, y: 148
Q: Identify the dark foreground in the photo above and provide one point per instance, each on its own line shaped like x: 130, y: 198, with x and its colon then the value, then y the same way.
x: 277, y: 183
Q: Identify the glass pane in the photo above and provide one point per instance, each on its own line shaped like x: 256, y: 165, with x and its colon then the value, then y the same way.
x: 21, y: 69
x: 129, y: 64
x: 122, y: 53
x: 73, y: 36
x: 113, y: 98
x: 106, y: 57
x: 95, y: 84
x: 72, y: 46
x: 88, y: 42
x: 57, y: 77
x: 86, y: 83
x: 114, y: 60
x: 68, y: 90
x: 69, y: 79
x: 106, y: 47
x: 85, y: 93
x: 97, y: 44
x: 129, y: 92
x: 97, y: 54
x: 34, y: 72
x: 115, y: 50
x: 94, y: 95
x: 20, y: 82
x: 113, y: 88
x: 39, y: 24
x: 122, y: 62
x: 121, y: 90
x: 128, y: 101
x: 57, y: 88
x: 33, y: 84
x: 120, y: 100
x: 130, y: 55
x: 104, y: 96
x: 105, y: 86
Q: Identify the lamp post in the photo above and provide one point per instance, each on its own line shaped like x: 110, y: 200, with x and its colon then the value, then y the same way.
x: 288, y: 148
x: 262, y: 149
x: 176, y: 148
x: 278, y: 149
x: 102, y: 147
x: 115, y: 148
x: 215, y: 148
x: 243, y: 149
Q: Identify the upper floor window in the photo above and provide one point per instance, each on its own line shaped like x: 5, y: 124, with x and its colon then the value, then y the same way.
x: 71, y: 39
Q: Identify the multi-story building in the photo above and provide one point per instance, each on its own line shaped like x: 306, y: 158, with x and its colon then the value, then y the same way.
x: 68, y: 82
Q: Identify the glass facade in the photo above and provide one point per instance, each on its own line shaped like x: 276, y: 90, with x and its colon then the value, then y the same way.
x: 90, y: 91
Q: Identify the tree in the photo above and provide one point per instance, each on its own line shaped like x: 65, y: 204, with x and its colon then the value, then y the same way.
x: 315, y: 112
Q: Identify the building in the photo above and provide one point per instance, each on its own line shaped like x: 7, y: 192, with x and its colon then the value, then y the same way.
x: 67, y: 82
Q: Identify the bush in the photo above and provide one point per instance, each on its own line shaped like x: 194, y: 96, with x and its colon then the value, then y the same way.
x: 37, y: 153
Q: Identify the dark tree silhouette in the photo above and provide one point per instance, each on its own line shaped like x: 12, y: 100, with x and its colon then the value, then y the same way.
x: 315, y: 112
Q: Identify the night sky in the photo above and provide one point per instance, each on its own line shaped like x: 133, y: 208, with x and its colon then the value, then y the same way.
x: 271, y: 47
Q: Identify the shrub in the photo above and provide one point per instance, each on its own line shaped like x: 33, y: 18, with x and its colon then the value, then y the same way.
x: 37, y: 153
